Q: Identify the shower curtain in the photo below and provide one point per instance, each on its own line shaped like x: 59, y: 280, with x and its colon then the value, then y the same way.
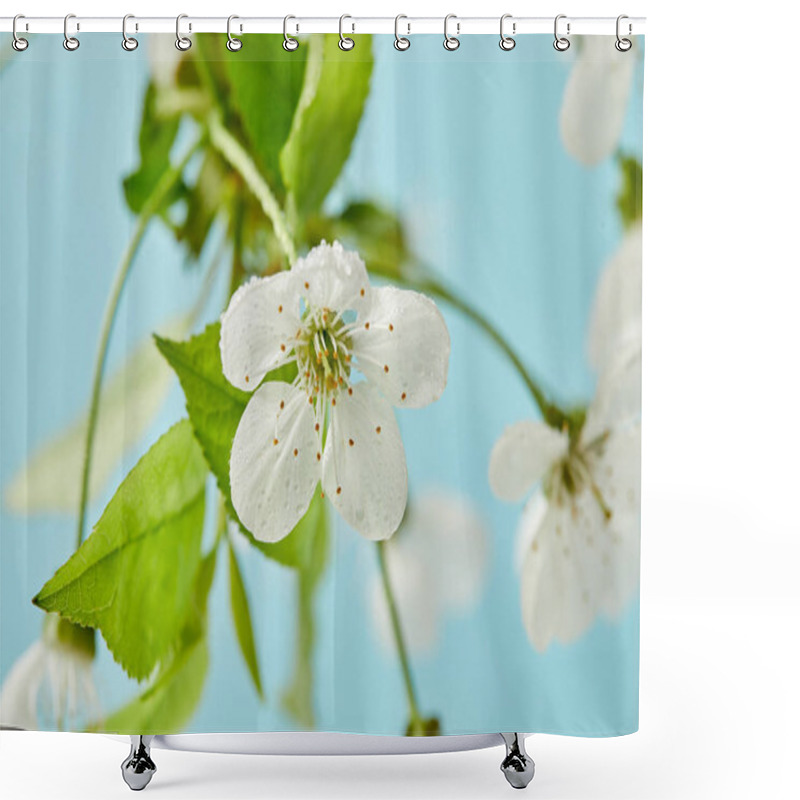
x: 320, y: 390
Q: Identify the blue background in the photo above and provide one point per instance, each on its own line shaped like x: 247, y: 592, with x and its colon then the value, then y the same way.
x: 465, y: 147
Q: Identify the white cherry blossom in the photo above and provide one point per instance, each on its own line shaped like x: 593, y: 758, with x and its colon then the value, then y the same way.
x: 436, y: 563
x: 580, y: 529
x: 596, y: 99
x: 359, y: 350
x: 581, y: 536
x: 51, y: 685
x: 164, y: 59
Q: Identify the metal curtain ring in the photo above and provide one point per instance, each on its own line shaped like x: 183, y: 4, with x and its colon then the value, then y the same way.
x: 623, y: 45
x: 345, y: 42
x: 183, y: 43
x: 561, y: 43
x: 18, y: 43
x: 233, y: 44
x: 128, y: 42
x: 289, y: 44
x: 71, y: 43
x: 507, y: 42
x: 451, y: 43
x: 401, y: 42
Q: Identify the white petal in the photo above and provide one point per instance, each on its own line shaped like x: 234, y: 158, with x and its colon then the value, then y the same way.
x: 272, y: 484
x: 596, y: 99
x: 529, y: 523
x: 416, y: 594
x: 616, y: 319
x: 557, y: 601
x: 437, y: 561
x: 364, y: 464
x: 543, y: 586
x: 403, y: 346
x: 21, y: 687
x: 448, y: 532
x: 618, y: 477
x: 332, y: 277
x: 258, y: 327
x: 581, y: 563
x: 523, y: 455
x: 618, y: 395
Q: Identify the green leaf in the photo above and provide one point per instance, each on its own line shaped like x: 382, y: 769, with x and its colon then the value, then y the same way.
x: 629, y: 197
x: 156, y: 137
x: 266, y: 82
x: 242, y: 620
x: 214, y: 405
x: 170, y: 700
x: 196, y: 618
x: 335, y: 89
x: 215, y: 408
x: 50, y: 481
x: 132, y: 578
x: 210, y: 192
x: 297, y: 698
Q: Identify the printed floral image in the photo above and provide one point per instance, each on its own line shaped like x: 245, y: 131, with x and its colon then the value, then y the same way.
x: 298, y: 349
x: 596, y: 99
x: 581, y: 528
x: 437, y: 566
x: 52, y: 683
x: 324, y: 319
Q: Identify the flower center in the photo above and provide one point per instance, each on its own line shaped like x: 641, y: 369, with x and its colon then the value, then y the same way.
x: 575, y: 474
x: 323, y: 352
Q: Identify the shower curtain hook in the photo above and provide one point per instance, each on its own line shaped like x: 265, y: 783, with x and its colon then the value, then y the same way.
x: 345, y: 42
x: 18, y: 43
x: 128, y: 42
x: 561, y: 43
x: 71, y: 43
x: 401, y: 42
x: 183, y: 43
x: 289, y: 44
x: 233, y: 44
x: 451, y: 43
x: 507, y: 42
x: 623, y: 45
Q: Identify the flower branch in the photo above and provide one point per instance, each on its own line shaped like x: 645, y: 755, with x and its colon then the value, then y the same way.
x: 415, y: 718
x: 554, y: 416
x: 151, y: 207
x: 240, y: 160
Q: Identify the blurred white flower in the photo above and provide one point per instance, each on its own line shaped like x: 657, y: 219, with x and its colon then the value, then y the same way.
x: 616, y: 321
x: 324, y: 317
x: 596, y: 99
x: 582, y: 553
x: 51, y: 687
x: 615, y: 332
x: 580, y: 530
x: 437, y: 563
x: 164, y: 59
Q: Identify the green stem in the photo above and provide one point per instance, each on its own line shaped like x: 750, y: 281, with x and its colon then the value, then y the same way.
x: 237, y: 267
x: 149, y: 209
x: 239, y: 159
x: 222, y: 521
x: 413, y: 709
x: 550, y: 412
